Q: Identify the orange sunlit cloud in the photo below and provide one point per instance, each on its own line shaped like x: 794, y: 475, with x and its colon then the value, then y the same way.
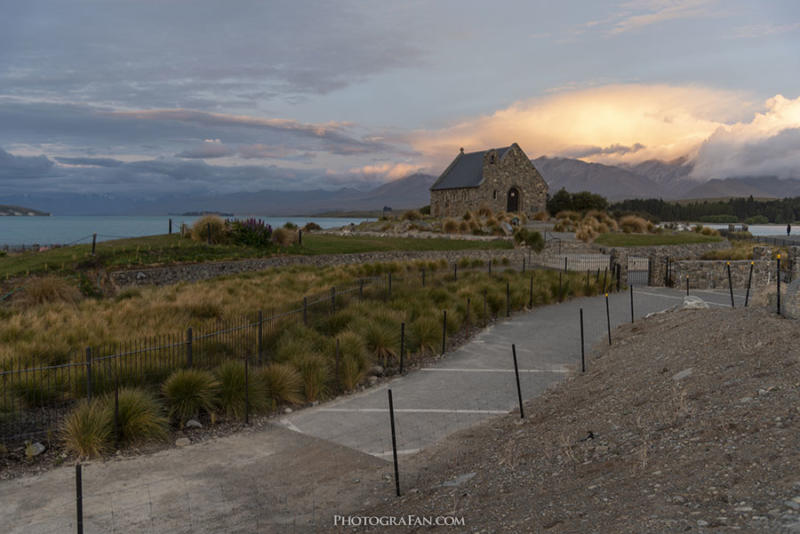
x: 620, y: 122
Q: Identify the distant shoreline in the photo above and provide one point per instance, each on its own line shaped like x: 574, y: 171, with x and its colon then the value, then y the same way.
x: 19, y: 211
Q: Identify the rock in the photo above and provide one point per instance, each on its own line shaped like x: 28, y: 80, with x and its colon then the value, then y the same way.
x: 743, y: 509
x: 182, y: 442
x: 745, y: 400
x: 686, y: 373
x: 793, y: 505
x: 373, y: 380
x: 458, y: 480
x: 287, y: 410
x: 193, y: 423
x: 376, y: 370
x: 701, y: 523
x: 507, y: 228
x: 140, y: 275
x: 34, y: 449
x: 694, y: 303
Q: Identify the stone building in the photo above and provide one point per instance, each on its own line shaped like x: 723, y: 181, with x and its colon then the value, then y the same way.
x: 502, y: 179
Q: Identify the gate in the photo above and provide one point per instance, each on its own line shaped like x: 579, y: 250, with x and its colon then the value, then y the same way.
x: 638, y: 271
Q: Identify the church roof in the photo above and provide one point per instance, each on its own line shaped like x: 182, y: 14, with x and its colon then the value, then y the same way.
x: 466, y: 170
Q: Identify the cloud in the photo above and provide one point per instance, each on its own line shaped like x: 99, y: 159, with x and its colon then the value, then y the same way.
x: 767, y: 145
x: 390, y: 171
x: 763, y: 30
x: 207, y: 150
x: 641, y: 13
x: 583, y: 152
x: 22, y: 168
x: 89, y: 162
x: 633, y: 122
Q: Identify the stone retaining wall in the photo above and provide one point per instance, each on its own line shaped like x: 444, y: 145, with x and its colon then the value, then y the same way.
x: 710, y: 274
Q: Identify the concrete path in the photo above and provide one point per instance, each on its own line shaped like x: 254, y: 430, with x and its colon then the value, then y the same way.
x: 277, y: 480
x: 477, y: 380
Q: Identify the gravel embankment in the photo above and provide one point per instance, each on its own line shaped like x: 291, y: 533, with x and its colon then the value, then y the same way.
x: 688, y: 423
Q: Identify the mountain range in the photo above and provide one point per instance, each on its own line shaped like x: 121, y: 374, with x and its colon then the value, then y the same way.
x: 649, y: 179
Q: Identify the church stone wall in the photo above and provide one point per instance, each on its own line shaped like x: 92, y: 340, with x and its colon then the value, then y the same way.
x: 499, y: 176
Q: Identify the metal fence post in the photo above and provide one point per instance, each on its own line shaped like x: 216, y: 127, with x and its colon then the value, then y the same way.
x: 530, y: 293
x: 455, y: 271
x: 631, y: 303
x: 583, y: 355
x: 170, y: 227
x: 730, y: 283
x: 260, y: 337
x: 608, y: 320
x: 189, y: 347
x: 749, y: 281
x: 778, y: 281
x: 444, y: 330
x: 89, y: 373
x: 94, y: 242
x: 79, y: 498
x: 394, y: 446
x: 519, y: 390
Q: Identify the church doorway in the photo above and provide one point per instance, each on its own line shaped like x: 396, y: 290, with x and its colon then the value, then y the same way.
x: 513, y: 200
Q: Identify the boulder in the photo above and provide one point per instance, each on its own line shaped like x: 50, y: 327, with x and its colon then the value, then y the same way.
x: 694, y: 303
x: 182, y: 442
x: 193, y: 423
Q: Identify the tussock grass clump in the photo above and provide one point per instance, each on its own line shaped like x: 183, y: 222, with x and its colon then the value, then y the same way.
x: 189, y: 392
x: 231, y: 378
x: 47, y: 290
x: 201, y: 227
x: 381, y: 341
x: 141, y: 416
x: 353, y: 358
x: 311, y: 227
x: 282, y: 383
x: 425, y: 333
x: 87, y: 429
x: 450, y: 226
x: 633, y: 224
x: 484, y: 211
x: 412, y: 215
x: 313, y: 369
x: 463, y: 227
x: 283, y: 237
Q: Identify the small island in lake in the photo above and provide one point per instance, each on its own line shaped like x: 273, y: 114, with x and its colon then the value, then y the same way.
x: 18, y: 210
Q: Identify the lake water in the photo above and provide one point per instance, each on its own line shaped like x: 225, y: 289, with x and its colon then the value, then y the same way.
x: 63, y: 229
x: 760, y: 229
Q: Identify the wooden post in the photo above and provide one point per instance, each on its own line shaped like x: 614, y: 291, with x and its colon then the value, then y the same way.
x: 94, y: 242
x: 170, y: 227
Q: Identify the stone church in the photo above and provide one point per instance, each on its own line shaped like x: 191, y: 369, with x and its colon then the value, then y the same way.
x: 502, y: 179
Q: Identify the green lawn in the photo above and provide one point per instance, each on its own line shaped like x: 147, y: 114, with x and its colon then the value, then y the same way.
x: 648, y: 240
x: 171, y: 249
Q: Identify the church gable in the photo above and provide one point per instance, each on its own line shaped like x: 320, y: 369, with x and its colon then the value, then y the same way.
x: 502, y: 179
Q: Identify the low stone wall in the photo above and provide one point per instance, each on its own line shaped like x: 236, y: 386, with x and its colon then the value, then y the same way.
x: 203, y: 271
x: 659, y: 256
x: 710, y: 274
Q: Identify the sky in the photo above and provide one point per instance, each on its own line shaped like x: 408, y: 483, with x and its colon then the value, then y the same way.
x: 170, y: 96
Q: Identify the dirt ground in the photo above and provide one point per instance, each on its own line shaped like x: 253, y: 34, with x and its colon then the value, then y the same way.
x: 688, y: 423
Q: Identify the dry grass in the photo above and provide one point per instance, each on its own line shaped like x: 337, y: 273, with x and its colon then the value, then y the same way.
x: 631, y: 224
x: 450, y: 226
x: 541, y: 216
x: 47, y: 290
x: 283, y: 237
x: 201, y: 228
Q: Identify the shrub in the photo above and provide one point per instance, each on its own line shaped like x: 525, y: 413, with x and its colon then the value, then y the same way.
x: 467, y: 216
x: 314, y: 371
x: 484, y: 211
x: 450, y: 226
x: 283, y: 237
x: 463, y: 227
x: 86, y: 431
x: 633, y: 224
x: 412, y: 215
x: 282, y: 383
x: 46, y: 290
x: 230, y: 376
x: 757, y: 219
x: 721, y: 218
x: 381, y: 340
x: 189, y: 392
x: 140, y: 416
x: 531, y: 238
x: 425, y: 210
x: 424, y: 334
x: 251, y: 232
x: 311, y: 227
x: 201, y: 227
x: 290, y: 225
x: 706, y: 230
